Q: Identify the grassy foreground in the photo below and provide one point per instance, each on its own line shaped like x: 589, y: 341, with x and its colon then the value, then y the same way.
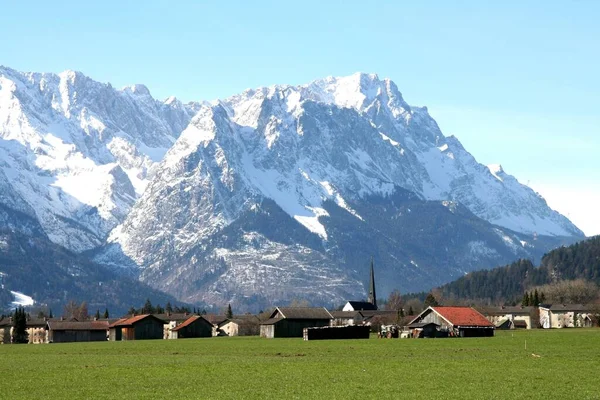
x: 568, y: 366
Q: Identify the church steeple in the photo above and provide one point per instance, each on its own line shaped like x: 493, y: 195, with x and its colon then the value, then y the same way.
x: 372, y: 295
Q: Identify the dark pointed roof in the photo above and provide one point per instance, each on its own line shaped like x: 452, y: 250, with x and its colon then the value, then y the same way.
x: 302, y: 313
x: 362, y: 305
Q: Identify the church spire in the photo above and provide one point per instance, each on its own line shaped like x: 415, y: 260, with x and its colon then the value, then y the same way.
x: 372, y: 295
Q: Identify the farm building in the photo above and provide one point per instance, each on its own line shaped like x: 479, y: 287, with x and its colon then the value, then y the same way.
x: 290, y: 321
x: 36, y: 329
x: 171, y: 321
x: 509, y: 317
x: 358, y: 306
x: 240, y: 325
x: 75, y: 331
x: 345, y: 318
x: 565, y: 316
x: 457, y: 321
x: 215, y: 320
x: 193, y: 327
x: 5, y: 329
x: 140, y: 327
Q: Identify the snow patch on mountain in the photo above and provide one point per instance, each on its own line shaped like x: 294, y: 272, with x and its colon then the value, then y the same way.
x: 21, y: 300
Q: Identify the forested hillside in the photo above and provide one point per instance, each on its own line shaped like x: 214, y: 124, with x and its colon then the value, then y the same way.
x: 505, y: 284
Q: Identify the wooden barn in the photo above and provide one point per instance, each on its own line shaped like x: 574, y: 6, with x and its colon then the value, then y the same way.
x: 75, y: 331
x: 140, y: 327
x: 291, y: 321
x: 193, y: 327
x: 456, y: 321
x: 240, y: 325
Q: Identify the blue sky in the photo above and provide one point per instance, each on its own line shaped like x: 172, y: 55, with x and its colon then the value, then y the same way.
x: 518, y: 84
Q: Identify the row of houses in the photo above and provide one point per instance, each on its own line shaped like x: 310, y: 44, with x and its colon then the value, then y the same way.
x: 148, y: 326
x: 549, y: 315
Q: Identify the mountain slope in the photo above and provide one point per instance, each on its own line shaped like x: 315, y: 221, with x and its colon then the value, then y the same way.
x: 333, y: 159
x: 79, y: 152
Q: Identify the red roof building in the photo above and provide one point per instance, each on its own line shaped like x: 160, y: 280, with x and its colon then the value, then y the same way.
x: 457, y: 321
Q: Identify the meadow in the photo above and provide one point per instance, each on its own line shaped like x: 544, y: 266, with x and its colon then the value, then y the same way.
x: 556, y: 364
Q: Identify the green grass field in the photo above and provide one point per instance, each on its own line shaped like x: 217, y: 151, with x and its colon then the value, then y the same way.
x: 476, y: 368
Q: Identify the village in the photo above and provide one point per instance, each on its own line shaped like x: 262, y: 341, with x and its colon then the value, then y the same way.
x: 355, y: 320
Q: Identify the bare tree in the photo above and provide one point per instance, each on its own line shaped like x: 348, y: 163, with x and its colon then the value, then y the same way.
x: 76, y: 311
x: 394, y: 301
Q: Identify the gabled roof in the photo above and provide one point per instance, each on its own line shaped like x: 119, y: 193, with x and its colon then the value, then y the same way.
x: 457, y: 316
x: 5, y: 321
x: 462, y: 316
x: 565, y: 307
x: 215, y: 319
x: 78, y: 326
x: 503, y: 310
x: 302, y: 313
x: 361, y: 305
x: 173, y: 316
x: 241, y: 320
x: 345, y: 314
x: 133, y: 320
x: 36, y: 322
x: 190, y: 321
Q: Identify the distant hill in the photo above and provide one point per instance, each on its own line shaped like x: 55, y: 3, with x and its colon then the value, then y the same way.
x: 578, y: 261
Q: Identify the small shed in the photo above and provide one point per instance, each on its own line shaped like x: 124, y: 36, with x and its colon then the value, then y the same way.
x: 76, y: 331
x: 193, y: 327
x: 291, y: 321
x: 457, y: 321
x: 140, y: 327
x: 240, y: 325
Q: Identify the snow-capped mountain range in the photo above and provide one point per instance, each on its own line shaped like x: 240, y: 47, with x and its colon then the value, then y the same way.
x: 259, y: 197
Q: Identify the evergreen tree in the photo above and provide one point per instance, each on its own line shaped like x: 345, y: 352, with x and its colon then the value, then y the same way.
x: 525, y: 301
x: 19, y: 334
x: 168, y: 307
x: 147, y: 309
x: 430, y: 301
x: 531, y: 299
x: 50, y: 315
x: 97, y: 315
x: 131, y: 311
x: 536, y: 298
x: 229, y: 313
x: 105, y: 313
x: 542, y: 298
x: 411, y: 311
